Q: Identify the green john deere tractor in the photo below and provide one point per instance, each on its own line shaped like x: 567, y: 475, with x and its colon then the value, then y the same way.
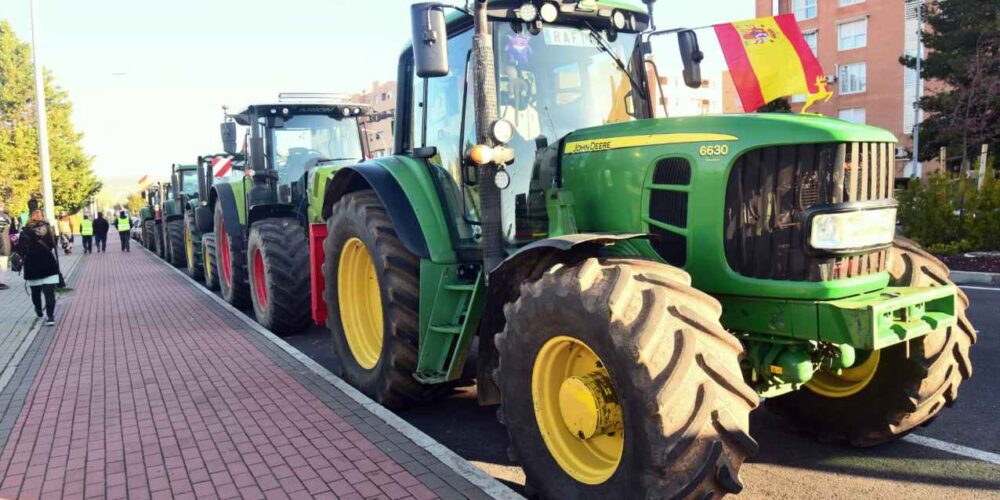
x: 635, y: 284
x: 212, y: 169
x: 261, y: 220
x: 149, y: 216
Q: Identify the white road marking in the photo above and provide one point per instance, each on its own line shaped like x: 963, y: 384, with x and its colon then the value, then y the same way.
x: 955, y: 449
x: 970, y: 287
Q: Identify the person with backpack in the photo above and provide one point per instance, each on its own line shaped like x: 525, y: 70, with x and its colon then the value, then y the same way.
x: 87, y: 233
x: 124, y: 227
x: 101, y: 228
x: 37, y: 246
x: 6, y: 226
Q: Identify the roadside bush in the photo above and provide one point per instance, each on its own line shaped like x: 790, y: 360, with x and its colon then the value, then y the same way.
x: 949, y: 215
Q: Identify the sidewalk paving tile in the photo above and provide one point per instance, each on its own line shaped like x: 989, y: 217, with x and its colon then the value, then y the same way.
x: 147, y: 388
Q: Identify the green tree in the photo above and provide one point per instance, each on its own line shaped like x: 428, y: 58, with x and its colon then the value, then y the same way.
x: 73, y: 180
x: 135, y: 203
x: 963, y: 44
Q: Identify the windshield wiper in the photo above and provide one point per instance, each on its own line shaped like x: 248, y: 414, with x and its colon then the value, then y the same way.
x: 603, y: 45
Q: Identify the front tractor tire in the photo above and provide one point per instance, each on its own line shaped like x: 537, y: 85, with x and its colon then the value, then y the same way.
x: 192, y: 250
x: 901, y: 387
x: 209, y: 268
x: 372, y: 295
x: 231, y: 265
x: 616, y: 376
x: 278, y: 254
x: 175, y: 240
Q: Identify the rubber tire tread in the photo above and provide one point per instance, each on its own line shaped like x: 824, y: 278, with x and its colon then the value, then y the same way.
x: 285, y: 250
x: 148, y: 238
x: 390, y: 382
x: 208, y: 248
x: 908, y: 390
x: 237, y: 295
x: 195, y: 269
x: 675, y: 368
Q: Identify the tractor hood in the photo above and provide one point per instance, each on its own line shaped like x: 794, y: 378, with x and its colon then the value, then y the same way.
x: 747, y: 129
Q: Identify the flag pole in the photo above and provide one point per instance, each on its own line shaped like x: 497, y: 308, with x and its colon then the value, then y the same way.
x: 43, y: 127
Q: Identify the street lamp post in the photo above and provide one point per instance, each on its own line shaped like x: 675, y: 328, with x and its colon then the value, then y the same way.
x: 917, y: 171
x: 43, y: 127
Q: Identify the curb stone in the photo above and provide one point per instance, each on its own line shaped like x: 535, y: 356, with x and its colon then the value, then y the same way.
x: 974, y: 278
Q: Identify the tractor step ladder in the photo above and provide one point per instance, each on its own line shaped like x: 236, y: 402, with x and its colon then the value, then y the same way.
x: 453, y: 317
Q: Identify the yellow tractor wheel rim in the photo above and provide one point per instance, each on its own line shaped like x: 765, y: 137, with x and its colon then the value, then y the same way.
x: 189, y: 245
x: 360, y: 303
x: 850, y: 381
x: 207, y: 261
x: 577, y: 410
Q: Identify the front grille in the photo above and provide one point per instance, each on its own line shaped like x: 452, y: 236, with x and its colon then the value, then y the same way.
x: 769, y: 191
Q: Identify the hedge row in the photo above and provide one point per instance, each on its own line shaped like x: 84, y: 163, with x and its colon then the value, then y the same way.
x: 949, y: 215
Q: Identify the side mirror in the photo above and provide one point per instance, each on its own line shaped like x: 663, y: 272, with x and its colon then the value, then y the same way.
x: 229, y: 137
x: 144, y: 195
x: 430, y: 39
x: 692, y: 57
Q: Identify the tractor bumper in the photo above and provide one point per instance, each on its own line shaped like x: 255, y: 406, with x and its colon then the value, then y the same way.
x: 868, y: 321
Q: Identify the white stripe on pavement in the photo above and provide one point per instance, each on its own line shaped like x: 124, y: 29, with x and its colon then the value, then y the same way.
x: 955, y: 449
x: 970, y: 287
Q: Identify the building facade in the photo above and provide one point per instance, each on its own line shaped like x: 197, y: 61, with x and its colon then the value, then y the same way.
x: 858, y: 44
x: 382, y: 98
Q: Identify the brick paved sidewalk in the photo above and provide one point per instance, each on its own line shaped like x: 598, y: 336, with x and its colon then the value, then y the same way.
x: 149, y: 388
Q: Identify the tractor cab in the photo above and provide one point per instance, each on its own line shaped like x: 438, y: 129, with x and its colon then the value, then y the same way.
x: 287, y: 139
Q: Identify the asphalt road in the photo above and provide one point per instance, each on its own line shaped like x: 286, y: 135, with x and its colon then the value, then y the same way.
x: 788, y: 465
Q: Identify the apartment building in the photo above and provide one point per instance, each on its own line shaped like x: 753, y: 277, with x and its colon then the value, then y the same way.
x: 382, y: 98
x: 858, y: 43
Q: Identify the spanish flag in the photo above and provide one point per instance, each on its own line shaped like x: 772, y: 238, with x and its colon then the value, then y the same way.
x: 143, y: 182
x: 769, y: 58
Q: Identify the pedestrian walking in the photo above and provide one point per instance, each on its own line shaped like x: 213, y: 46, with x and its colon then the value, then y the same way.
x: 124, y: 227
x: 87, y: 233
x: 66, y: 233
x: 6, y: 226
x: 37, y: 246
x: 101, y: 228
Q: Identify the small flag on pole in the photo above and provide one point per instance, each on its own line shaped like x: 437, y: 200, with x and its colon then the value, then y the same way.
x: 144, y: 182
x: 769, y: 58
x: 222, y: 165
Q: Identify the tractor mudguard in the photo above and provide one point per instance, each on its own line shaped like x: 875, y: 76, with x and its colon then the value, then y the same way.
x: 390, y: 193
x: 204, y: 219
x: 271, y: 210
x: 505, y: 286
x: 230, y: 211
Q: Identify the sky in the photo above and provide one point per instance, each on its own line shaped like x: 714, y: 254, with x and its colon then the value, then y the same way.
x: 148, y: 79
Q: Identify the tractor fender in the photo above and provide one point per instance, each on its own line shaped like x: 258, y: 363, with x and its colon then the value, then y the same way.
x: 270, y: 211
x: 377, y: 178
x: 505, y: 280
x: 230, y: 212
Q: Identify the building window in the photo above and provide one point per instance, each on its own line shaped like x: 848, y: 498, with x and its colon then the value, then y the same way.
x: 804, y: 9
x: 856, y: 115
x: 852, y: 34
x: 853, y: 78
x: 812, y: 40
x: 845, y: 3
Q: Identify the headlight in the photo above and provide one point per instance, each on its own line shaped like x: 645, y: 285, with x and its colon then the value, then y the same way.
x: 856, y: 229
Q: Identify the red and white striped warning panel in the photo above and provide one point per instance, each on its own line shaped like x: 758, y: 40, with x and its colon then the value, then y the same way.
x: 221, y: 165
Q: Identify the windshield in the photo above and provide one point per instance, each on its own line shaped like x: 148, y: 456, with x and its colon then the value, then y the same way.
x: 550, y: 84
x: 189, y: 182
x: 306, y: 137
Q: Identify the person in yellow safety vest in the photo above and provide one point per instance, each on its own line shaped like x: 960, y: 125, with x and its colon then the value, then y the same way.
x: 124, y: 227
x: 87, y: 231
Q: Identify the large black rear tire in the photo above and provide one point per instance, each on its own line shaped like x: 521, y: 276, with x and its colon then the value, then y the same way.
x: 360, y: 216
x: 148, y: 237
x: 175, y: 238
x: 278, y: 256
x: 910, y: 386
x: 231, y: 263
x: 192, y: 249
x: 161, y: 249
x: 210, y: 269
x: 685, y: 407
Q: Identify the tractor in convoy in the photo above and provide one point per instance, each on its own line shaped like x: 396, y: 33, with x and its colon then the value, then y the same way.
x: 183, y: 186
x: 212, y: 168
x: 636, y: 284
x: 149, y: 217
x: 259, y: 223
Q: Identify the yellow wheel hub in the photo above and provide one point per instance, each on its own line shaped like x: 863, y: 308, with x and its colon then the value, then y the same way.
x: 577, y: 410
x: 360, y: 303
x: 189, y: 244
x: 850, y: 381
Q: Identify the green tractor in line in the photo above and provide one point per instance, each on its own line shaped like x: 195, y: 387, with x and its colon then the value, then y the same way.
x: 636, y: 284
x: 149, y: 217
x: 260, y: 223
x: 183, y: 186
x: 212, y: 169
